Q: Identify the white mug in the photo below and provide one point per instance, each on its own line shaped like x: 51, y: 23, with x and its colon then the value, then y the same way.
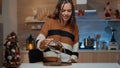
x: 64, y: 57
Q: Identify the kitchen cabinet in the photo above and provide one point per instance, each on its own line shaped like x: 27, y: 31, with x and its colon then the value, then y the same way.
x: 87, y: 56
x: 24, y: 56
x: 98, y: 56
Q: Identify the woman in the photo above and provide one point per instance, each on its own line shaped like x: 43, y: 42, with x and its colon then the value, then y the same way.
x: 61, y: 27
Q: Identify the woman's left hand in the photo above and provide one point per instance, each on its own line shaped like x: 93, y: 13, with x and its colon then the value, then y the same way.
x: 72, y: 60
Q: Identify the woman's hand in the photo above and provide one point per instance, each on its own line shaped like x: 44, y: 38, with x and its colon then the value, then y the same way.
x: 72, y: 60
x: 44, y: 43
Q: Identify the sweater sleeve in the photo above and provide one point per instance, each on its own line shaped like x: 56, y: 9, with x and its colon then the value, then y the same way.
x: 42, y: 35
x: 76, y: 44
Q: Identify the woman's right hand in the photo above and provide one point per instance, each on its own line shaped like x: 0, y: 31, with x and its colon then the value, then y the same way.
x: 44, y: 43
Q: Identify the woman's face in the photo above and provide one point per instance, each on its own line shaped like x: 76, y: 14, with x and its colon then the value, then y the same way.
x: 66, y: 11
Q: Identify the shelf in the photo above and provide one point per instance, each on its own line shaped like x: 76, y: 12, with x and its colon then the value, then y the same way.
x: 36, y: 29
x: 92, y: 15
x: 35, y: 25
x: 34, y: 22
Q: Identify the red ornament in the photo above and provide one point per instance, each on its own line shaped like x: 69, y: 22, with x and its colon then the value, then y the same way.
x: 108, y: 10
x: 79, y: 12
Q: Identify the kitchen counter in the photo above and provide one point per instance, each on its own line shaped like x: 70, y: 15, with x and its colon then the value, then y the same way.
x: 95, y: 56
x: 74, y: 65
x: 93, y: 50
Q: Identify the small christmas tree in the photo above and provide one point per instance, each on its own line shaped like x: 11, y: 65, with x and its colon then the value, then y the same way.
x: 12, y: 52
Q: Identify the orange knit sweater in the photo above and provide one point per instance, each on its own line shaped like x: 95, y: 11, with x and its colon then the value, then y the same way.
x: 67, y: 36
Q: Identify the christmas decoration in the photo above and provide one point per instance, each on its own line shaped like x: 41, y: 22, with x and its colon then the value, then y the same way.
x: 30, y: 43
x: 12, y: 51
x: 81, y: 12
x: 108, y: 10
x: 117, y: 14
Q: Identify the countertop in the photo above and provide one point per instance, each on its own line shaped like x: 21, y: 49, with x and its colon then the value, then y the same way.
x: 93, y: 50
x: 74, y: 65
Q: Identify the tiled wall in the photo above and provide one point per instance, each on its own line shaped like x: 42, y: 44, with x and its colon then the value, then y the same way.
x: 91, y: 28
